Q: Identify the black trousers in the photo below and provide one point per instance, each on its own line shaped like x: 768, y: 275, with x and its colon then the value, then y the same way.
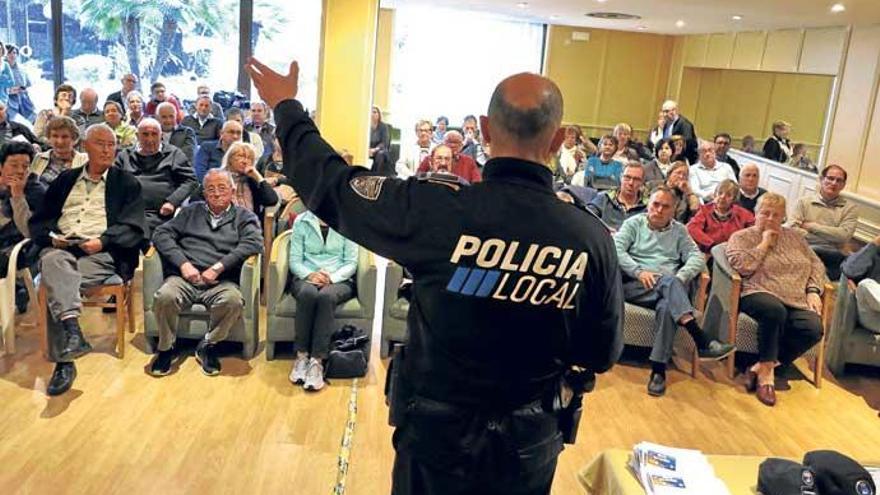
x: 446, y: 450
x: 784, y: 333
x: 315, y: 321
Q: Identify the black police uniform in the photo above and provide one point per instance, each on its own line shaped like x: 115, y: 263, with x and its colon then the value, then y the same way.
x: 511, y: 287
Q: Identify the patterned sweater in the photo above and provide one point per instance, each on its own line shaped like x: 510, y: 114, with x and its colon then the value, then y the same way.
x: 786, y: 270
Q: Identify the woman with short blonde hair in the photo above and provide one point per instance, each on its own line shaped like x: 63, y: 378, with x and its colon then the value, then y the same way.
x: 782, y: 283
x: 252, y: 190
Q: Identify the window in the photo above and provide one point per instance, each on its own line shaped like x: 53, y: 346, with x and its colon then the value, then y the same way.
x: 284, y: 31
x: 27, y: 25
x: 448, y: 62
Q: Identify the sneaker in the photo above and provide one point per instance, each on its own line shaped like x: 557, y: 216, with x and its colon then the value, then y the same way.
x: 657, y: 385
x: 300, y: 368
x: 314, y: 375
x: 715, y: 351
x: 161, y: 364
x: 207, y: 358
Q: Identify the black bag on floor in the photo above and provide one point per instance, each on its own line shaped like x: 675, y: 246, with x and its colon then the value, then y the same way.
x: 349, y: 353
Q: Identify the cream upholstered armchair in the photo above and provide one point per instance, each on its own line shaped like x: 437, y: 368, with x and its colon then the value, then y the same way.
x: 281, y: 305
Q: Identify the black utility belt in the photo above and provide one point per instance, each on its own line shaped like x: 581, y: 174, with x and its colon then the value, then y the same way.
x: 428, y: 406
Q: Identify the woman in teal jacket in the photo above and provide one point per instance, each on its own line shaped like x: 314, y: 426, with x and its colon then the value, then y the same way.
x: 6, y: 79
x: 323, y: 264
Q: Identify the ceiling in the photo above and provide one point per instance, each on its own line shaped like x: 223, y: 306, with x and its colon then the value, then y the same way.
x: 660, y: 16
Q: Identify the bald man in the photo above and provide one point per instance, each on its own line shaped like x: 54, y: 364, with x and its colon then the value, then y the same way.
x: 179, y: 136
x: 512, y: 288
x: 89, y: 228
x: 210, y: 154
x: 749, y: 190
x: 165, y: 173
x: 88, y: 112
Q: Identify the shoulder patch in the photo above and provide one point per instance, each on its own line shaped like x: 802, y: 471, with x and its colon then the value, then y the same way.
x: 368, y: 186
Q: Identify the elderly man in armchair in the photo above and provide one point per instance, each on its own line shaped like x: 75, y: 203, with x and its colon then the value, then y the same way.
x: 203, y: 249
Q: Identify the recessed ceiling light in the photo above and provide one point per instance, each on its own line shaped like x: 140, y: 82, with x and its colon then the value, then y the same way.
x: 523, y: 5
x: 737, y: 18
x: 838, y: 8
x: 679, y: 23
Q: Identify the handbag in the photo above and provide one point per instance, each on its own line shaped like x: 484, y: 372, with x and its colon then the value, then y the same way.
x: 349, y: 353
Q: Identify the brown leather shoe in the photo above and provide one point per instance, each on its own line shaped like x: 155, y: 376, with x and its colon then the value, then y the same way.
x: 766, y: 394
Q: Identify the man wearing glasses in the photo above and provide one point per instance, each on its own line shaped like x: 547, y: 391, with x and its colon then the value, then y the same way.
x: 412, y: 156
x: 827, y: 219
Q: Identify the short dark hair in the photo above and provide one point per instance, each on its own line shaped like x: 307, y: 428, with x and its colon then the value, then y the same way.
x: 234, y: 111
x: 15, y: 148
x: 115, y: 104
x: 611, y: 138
x: 828, y: 168
x: 156, y: 85
x: 10, y: 48
x: 664, y: 189
x: 660, y: 144
x: 722, y: 135
x: 469, y: 117
x: 443, y: 119
x: 66, y: 88
x: 526, y: 124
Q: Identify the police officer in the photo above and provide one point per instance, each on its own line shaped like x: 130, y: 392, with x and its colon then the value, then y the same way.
x: 512, y: 288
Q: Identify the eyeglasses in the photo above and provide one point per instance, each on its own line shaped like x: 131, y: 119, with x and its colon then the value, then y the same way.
x: 632, y: 178
x: 834, y: 180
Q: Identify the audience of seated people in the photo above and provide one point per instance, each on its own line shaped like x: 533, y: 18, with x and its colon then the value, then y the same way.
x: 323, y: 264
x: 659, y: 260
x: 749, y: 190
x: 777, y: 147
x: 90, y: 228
x: 205, y: 124
x: 63, y: 134
x: 65, y: 98
x: 158, y: 95
x: 411, y: 156
x: 706, y: 174
x: 863, y: 269
x: 827, y: 220
x: 715, y: 222
x: 88, y: 112
x: 210, y: 153
x: 781, y: 290
x: 380, y: 143
x: 462, y: 165
x: 615, y: 205
x: 602, y: 171
x: 722, y: 146
x: 203, y: 249
x: 164, y: 172
x: 176, y: 135
x: 126, y: 134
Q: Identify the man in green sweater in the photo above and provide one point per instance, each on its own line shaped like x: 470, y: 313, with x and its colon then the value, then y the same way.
x: 659, y: 259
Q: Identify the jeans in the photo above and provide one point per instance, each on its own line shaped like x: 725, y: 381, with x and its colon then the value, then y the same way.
x: 670, y: 301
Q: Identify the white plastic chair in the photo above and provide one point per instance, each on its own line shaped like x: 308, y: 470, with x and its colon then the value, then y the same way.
x: 7, y: 296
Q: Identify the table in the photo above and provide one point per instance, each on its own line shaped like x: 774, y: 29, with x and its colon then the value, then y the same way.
x: 608, y: 473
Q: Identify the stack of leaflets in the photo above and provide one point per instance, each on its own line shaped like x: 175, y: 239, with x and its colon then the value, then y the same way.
x: 666, y: 470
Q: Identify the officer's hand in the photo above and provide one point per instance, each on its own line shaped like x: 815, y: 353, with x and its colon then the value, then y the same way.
x: 648, y: 279
x: 272, y: 86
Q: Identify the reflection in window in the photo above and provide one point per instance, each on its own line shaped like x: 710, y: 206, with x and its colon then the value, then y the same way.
x: 284, y: 31
x: 448, y: 62
x: 180, y: 44
x: 27, y: 27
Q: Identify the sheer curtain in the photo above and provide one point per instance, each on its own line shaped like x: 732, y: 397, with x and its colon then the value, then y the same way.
x: 448, y: 62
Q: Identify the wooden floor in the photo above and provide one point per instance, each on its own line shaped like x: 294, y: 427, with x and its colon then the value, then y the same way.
x: 251, y: 431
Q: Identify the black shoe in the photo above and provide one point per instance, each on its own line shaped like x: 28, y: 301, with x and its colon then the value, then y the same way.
x: 207, y: 357
x: 715, y: 351
x: 76, y: 343
x: 62, y: 379
x: 161, y: 364
x: 657, y: 385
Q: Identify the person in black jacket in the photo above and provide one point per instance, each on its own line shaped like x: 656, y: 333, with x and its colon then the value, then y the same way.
x: 179, y: 136
x: 678, y: 125
x: 90, y: 228
x: 380, y: 143
x: 166, y: 175
x: 502, y: 307
x: 777, y: 147
x: 203, y: 249
x: 203, y: 123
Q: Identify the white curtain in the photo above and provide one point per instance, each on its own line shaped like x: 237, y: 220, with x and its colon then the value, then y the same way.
x: 448, y: 62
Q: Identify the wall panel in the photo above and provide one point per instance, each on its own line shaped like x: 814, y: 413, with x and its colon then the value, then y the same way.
x: 748, y: 50
x: 783, y: 50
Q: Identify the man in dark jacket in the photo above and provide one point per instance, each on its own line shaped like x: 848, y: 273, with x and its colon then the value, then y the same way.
x: 21, y: 193
x: 89, y: 228
x: 501, y: 310
x: 206, y: 126
x: 678, y: 125
x: 165, y: 174
x: 177, y: 135
x: 203, y: 249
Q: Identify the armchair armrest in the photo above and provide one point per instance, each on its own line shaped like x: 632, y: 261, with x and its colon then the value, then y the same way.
x: 278, y: 270
x: 702, y: 291
x: 249, y: 282
x: 153, y: 276
x: 366, y: 282
x: 393, y: 278
x: 722, y: 307
x: 12, y: 265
